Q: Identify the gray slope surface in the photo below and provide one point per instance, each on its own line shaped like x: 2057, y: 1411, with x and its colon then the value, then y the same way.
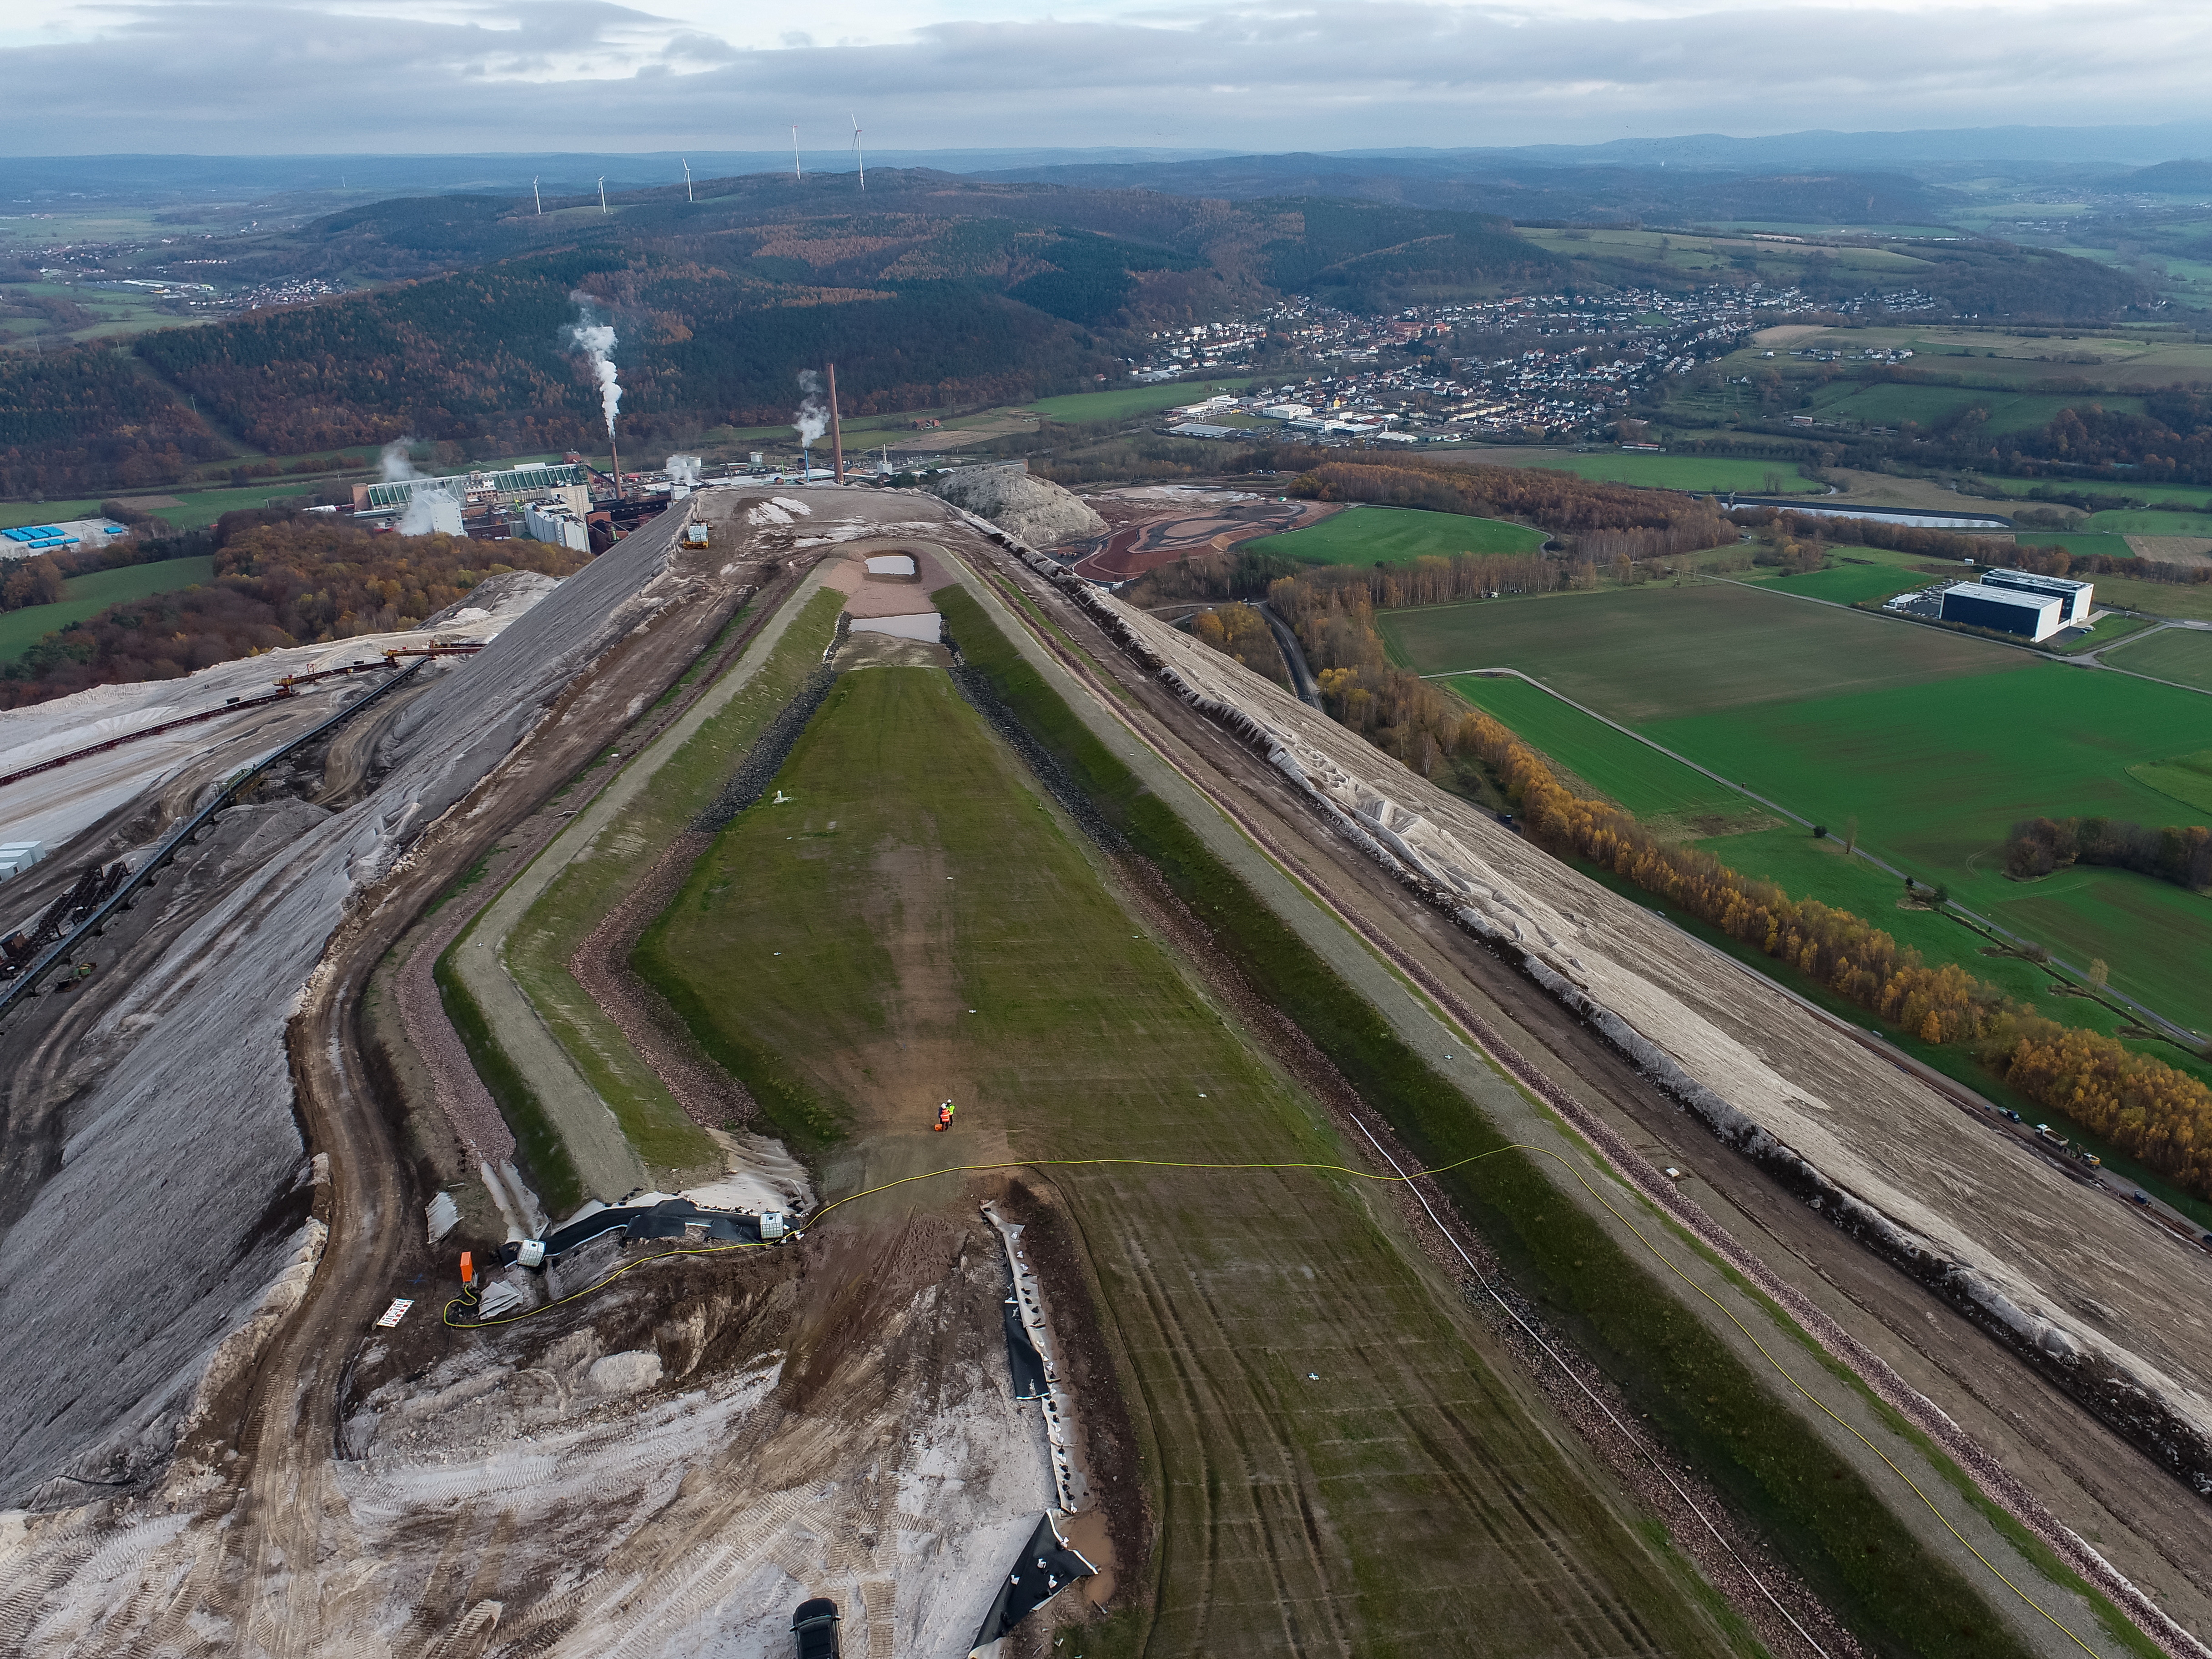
x: 154, y: 1240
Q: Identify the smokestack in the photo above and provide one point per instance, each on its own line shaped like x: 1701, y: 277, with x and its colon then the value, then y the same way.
x: 616, y: 455
x: 836, y: 432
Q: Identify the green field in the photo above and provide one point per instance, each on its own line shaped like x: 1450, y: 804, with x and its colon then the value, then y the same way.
x: 89, y: 595
x: 1397, y: 535
x: 2182, y: 654
x: 1936, y: 743
x: 941, y: 934
x: 2184, y: 601
x: 2077, y: 543
x: 2186, y: 779
x: 1639, y: 777
x: 2149, y: 521
x: 1849, y: 583
x: 1893, y: 403
x: 1698, y: 472
x: 1079, y: 407
x: 1642, y: 654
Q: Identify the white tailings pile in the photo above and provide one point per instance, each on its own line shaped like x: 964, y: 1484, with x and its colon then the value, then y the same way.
x: 1037, y: 510
x: 186, y: 1137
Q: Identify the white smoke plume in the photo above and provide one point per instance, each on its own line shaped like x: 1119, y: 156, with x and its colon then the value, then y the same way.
x: 814, y: 413
x: 596, y: 340
x: 394, y: 465
x: 683, y: 470
x: 425, y: 508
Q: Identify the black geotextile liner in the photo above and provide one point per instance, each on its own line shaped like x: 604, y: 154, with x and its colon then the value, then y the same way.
x: 1023, y: 1360
x: 1045, y: 1567
x: 1044, y: 764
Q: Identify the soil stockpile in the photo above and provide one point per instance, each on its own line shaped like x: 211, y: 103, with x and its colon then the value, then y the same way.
x: 1040, y: 512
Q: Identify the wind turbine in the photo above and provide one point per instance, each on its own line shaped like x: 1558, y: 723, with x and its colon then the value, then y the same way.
x: 860, y: 152
x: 797, y: 172
x: 603, y: 192
x: 535, y: 197
x: 687, y: 182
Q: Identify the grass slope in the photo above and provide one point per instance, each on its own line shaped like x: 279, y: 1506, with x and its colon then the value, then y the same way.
x: 539, y: 948
x: 1397, y: 535
x: 1379, y: 1509
x: 90, y: 595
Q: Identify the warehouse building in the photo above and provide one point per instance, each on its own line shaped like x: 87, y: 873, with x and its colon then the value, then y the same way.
x: 2074, y: 596
x: 2006, y: 610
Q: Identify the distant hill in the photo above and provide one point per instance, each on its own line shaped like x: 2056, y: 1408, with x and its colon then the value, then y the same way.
x: 927, y: 289
x: 2172, y: 179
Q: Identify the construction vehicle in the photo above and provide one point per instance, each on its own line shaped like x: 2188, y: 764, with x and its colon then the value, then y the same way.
x: 695, y: 534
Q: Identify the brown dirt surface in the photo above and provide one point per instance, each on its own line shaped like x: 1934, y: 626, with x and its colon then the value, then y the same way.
x: 1144, y: 538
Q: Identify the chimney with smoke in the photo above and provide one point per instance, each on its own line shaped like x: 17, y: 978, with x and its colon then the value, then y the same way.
x: 813, y: 419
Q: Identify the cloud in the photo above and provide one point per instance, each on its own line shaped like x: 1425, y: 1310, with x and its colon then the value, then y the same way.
x: 332, y: 76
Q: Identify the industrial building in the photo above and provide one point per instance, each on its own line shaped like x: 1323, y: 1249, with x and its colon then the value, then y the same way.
x: 554, y: 521
x: 2005, y: 610
x: 2074, y: 596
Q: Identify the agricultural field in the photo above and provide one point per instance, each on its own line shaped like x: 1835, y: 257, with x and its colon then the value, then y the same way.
x: 1891, y: 403
x: 1642, y: 654
x: 89, y: 595
x: 1697, y: 473
x: 1397, y: 535
x: 2078, y: 542
x: 1119, y: 404
x: 2182, y: 654
x: 2184, y: 601
x: 1992, y: 361
x: 1936, y: 743
x: 2186, y: 778
x: 2149, y: 522
x: 1850, y: 581
x: 916, y: 923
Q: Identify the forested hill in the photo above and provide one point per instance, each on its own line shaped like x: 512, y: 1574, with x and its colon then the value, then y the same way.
x: 927, y: 289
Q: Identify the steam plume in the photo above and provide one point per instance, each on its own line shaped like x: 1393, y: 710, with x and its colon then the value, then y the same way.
x: 394, y: 465
x: 421, y: 517
x: 683, y: 470
x: 814, y: 413
x: 596, y: 340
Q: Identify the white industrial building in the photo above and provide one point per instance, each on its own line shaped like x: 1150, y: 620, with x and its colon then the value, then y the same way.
x: 555, y: 522
x: 2074, y: 598
x: 2004, y: 610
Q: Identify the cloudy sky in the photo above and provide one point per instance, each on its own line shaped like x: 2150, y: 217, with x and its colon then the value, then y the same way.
x: 321, y: 76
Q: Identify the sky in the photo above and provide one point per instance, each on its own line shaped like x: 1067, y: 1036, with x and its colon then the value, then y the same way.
x: 330, y: 76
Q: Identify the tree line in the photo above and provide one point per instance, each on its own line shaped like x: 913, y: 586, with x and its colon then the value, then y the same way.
x: 2148, y: 1108
x: 1642, y: 523
x: 280, y: 580
x: 44, y: 580
x: 2179, y: 853
x: 1242, y: 634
